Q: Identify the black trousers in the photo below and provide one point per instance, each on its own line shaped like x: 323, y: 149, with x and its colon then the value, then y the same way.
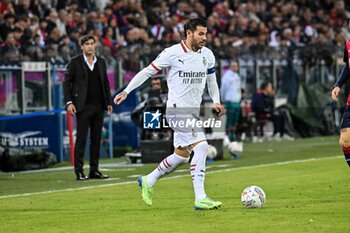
x: 279, y: 124
x: 91, y: 117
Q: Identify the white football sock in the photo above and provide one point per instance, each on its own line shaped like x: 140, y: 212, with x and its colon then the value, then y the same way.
x: 197, y: 169
x: 165, y: 167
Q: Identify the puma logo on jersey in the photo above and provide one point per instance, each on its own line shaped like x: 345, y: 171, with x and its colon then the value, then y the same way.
x: 182, y: 61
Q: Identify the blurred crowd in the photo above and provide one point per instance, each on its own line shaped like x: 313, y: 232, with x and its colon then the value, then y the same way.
x: 134, y: 30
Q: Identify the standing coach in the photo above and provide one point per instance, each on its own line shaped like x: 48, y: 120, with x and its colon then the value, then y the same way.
x: 87, y: 96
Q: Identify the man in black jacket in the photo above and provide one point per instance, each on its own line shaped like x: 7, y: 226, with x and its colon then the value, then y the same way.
x: 264, y: 110
x: 87, y: 95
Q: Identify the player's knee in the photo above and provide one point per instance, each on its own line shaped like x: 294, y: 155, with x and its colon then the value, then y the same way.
x: 202, y: 146
x: 205, y: 146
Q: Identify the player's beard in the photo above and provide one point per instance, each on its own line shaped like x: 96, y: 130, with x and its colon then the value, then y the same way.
x: 195, y: 45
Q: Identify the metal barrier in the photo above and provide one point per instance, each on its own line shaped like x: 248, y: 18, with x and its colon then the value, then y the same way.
x: 43, y: 130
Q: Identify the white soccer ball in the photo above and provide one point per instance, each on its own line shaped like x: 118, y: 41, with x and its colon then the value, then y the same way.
x: 253, y: 197
x: 235, y: 147
x: 212, y: 152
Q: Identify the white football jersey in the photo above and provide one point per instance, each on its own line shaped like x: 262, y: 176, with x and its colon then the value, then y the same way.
x: 187, y: 74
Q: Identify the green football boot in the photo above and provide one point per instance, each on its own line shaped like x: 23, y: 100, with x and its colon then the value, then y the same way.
x: 147, y: 191
x: 207, y: 204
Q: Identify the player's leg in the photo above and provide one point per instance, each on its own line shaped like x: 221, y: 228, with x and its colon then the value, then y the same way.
x: 344, y: 142
x: 236, y: 115
x: 179, y: 157
x: 230, y: 127
x: 344, y: 139
x: 197, y: 169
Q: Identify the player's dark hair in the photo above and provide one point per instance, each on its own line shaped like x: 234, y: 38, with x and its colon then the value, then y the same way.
x: 86, y: 38
x: 193, y: 23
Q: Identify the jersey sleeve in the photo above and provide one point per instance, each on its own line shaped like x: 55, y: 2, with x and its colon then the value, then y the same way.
x: 212, y: 84
x: 162, y: 61
x: 344, y: 74
x: 211, y: 63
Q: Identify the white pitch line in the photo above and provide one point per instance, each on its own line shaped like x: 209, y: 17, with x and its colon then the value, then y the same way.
x: 121, y: 166
x: 168, y: 178
x: 66, y: 190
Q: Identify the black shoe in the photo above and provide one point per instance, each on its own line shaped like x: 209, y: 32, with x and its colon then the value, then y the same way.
x: 81, y: 176
x: 97, y: 175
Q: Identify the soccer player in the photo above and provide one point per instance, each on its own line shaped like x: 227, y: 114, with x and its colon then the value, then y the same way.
x: 231, y: 95
x: 191, y: 67
x: 344, y: 139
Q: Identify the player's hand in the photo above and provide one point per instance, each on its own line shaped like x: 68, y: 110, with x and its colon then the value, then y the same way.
x: 219, y: 109
x: 120, y: 97
x: 109, y: 109
x: 71, y: 109
x: 335, y: 93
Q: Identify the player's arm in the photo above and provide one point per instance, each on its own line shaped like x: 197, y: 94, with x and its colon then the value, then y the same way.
x: 137, y: 81
x: 213, y: 88
x: 159, y: 63
x: 343, y: 77
x: 214, y: 93
x: 223, y: 88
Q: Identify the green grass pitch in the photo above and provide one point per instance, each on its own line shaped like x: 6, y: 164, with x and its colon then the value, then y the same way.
x: 307, y: 184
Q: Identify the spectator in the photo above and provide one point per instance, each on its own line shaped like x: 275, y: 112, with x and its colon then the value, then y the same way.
x: 156, y: 90
x: 10, y: 49
x: 54, y: 37
x: 64, y: 49
x: 43, y: 29
x: 62, y: 21
x: 6, y: 7
x: 52, y: 21
x: 235, y: 28
x: 74, y: 41
x: 155, y: 102
x: 263, y: 107
x: 22, y: 7
x: 7, y: 26
x: 107, y: 38
x: 34, y: 52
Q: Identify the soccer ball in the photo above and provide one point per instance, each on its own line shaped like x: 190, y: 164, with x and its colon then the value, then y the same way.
x: 235, y: 147
x: 212, y: 152
x: 253, y: 197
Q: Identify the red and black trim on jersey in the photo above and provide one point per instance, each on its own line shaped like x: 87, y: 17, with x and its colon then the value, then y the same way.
x: 184, y: 47
x: 155, y: 67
